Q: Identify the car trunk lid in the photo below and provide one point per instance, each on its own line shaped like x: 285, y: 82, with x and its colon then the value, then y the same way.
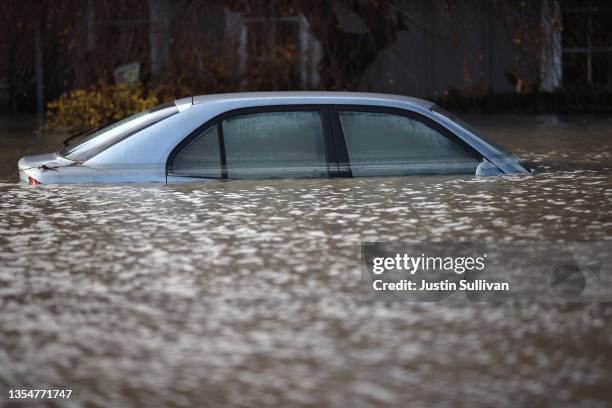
x: 32, y: 167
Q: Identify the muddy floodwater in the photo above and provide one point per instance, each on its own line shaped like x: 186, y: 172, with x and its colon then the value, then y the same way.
x: 246, y: 293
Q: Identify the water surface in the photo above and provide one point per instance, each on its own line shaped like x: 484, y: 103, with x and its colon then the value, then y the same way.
x: 246, y: 293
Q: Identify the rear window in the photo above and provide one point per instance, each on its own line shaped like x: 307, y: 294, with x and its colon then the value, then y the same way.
x: 102, y: 139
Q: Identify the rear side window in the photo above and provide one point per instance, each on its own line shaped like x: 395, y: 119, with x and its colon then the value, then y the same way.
x: 275, y: 144
x: 383, y: 144
x: 201, y: 157
x: 102, y: 139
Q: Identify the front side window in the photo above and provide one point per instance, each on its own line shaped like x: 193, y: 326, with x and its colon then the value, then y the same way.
x: 383, y: 144
x: 274, y: 144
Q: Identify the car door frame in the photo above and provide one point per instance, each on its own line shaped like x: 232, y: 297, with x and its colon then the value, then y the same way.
x: 328, y: 133
x: 344, y: 163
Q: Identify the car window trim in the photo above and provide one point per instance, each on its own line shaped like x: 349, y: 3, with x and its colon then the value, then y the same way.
x: 344, y: 165
x: 331, y: 153
x: 324, y: 116
x: 223, y: 158
x: 341, y: 139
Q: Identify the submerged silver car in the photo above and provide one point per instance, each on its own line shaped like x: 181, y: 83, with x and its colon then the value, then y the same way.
x: 274, y: 135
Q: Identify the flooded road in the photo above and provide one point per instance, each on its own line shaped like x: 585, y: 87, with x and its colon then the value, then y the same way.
x: 246, y: 293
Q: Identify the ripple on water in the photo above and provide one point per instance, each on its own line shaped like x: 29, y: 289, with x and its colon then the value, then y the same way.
x: 246, y: 293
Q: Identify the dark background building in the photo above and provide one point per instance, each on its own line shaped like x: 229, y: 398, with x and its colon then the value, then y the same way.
x: 431, y: 49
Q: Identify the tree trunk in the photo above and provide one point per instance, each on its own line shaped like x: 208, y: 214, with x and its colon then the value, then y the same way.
x: 550, y: 60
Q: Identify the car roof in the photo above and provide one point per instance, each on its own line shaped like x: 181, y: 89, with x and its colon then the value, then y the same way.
x: 304, y: 97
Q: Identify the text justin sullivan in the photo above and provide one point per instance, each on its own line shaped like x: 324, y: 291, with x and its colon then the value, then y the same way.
x: 475, y: 285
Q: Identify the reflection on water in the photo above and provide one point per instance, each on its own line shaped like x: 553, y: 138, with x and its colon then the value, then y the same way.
x: 247, y: 292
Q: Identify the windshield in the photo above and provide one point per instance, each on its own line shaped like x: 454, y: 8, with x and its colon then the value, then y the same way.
x: 104, y: 138
x: 471, y: 129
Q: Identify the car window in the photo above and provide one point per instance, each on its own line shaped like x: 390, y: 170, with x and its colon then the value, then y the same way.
x: 104, y: 138
x: 501, y: 151
x: 383, y: 144
x: 275, y: 144
x: 201, y: 157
